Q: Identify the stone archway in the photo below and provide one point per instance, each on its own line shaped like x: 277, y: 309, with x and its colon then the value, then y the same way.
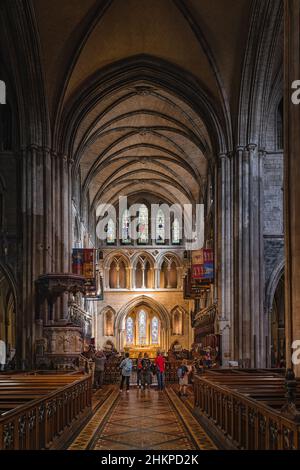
x: 150, y: 304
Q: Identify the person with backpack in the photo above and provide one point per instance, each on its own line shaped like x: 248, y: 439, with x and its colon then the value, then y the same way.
x: 146, y: 371
x: 139, y: 369
x: 183, y: 376
x: 126, y: 369
x: 160, y: 370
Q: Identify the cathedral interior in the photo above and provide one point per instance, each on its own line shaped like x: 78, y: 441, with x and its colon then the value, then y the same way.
x: 133, y: 107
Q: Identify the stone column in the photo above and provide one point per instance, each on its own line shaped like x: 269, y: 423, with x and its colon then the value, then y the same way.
x: 247, y: 261
x: 292, y: 178
x: 156, y: 278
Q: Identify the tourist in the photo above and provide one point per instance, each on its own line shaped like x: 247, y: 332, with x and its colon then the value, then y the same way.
x: 126, y: 368
x: 139, y: 368
x: 183, y: 376
x: 160, y: 363
x: 146, y: 371
x: 100, y: 360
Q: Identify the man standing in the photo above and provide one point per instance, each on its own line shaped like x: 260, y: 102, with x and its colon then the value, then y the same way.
x: 160, y: 363
x: 100, y: 361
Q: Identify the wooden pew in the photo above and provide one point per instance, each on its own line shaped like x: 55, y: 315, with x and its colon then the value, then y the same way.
x: 40, y: 411
x: 244, y: 409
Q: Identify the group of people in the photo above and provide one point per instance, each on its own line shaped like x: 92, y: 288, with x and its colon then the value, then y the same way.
x: 146, y: 369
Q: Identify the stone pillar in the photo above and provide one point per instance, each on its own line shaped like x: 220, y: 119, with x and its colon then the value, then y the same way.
x: 292, y: 178
x: 156, y: 278
x: 248, y: 321
x: 224, y: 255
x: 168, y: 276
x: 143, y: 277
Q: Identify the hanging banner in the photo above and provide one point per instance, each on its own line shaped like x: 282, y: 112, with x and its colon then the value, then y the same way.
x: 202, y: 265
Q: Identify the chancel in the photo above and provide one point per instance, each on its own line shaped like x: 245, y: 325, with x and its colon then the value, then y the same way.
x: 149, y: 225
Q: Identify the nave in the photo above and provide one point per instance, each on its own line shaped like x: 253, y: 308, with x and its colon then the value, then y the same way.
x: 141, y: 420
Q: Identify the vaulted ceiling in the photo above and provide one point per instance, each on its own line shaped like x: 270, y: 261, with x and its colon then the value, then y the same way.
x: 143, y: 137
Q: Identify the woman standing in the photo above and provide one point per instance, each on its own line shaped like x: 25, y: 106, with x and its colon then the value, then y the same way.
x: 126, y: 368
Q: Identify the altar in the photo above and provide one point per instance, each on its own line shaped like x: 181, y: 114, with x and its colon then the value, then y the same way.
x: 136, y: 350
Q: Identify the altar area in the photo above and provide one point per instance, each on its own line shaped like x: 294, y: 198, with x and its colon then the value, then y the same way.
x: 151, y: 350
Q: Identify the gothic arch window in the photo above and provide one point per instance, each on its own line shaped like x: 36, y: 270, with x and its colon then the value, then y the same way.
x: 110, y: 232
x: 143, y: 225
x: 176, y: 232
x: 142, y: 323
x: 125, y: 227
x: 154, y: 330
x: 160, y: 227
x: 129, y: 330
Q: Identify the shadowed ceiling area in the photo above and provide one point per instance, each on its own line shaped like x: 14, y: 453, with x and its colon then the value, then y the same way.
x: 141, y: 135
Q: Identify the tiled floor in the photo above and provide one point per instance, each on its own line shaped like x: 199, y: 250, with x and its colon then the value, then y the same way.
x: 142, y: 420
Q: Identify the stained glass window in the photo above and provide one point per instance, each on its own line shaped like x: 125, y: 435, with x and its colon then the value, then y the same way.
x: 154, y: 330
x: 143, y: 224
x: 176, y: 232
x: 142, y: 327
x: 111, y: 232
x: 129, y: 330
x: 160, y: 227
x: 125, y: 227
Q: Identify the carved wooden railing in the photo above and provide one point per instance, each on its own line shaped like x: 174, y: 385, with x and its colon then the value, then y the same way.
x: 241, y: 421
x: 42, y: 422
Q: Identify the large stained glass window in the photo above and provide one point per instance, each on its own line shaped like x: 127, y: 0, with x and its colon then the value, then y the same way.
x: 111, y: 232
x: 160, y: 227
x: 154, y: 330
x: 142, y: 327
x: 129, y: 330
x: 143, y: 235
x: 125, y: 227
x: 176, y: 232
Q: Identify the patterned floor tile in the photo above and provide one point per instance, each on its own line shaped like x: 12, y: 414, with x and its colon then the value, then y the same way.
x: 141, y: 420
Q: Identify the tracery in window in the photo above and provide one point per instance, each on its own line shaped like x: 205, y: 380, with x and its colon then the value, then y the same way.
x: 129, y: 330
x: 142, y: 327
x: 111, y: 232
x: 176, y: 232
x: 125, y: 227
x: 154, y: 330
x: 160, y: 227
x: 143, y: 224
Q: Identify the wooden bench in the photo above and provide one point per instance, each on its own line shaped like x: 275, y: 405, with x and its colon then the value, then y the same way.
x: 244, y: 409
x: 39, y: 411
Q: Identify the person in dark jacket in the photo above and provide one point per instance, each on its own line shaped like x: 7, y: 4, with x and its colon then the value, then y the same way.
x: 146, y: 371
x: 139, y: 369
x: 100, y: 360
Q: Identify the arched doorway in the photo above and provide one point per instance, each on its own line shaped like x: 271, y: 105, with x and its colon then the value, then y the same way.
x: 7, y: 313
x: 278, y: 326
